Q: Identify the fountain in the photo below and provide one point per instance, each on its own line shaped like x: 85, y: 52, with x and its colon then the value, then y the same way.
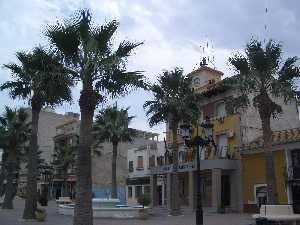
x: 108, y: 208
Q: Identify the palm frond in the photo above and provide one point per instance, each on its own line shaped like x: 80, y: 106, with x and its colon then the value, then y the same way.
x: 174, y: 100
x: 66, y: 39
x: 112, y: 124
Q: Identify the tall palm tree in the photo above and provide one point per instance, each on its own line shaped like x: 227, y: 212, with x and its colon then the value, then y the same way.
x: 88, y: 50
x: 3, y: 160
x: 174, y: 101
x: 262, y: 74
x: 15, y: 133
x: 63, y: 158
x: 42, y: 80
x: 112, y: 124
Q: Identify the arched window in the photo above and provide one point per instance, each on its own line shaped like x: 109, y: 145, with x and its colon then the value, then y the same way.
x: 197, y: 81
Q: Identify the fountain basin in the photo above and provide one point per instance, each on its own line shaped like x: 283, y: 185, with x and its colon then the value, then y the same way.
x: 108, y: 208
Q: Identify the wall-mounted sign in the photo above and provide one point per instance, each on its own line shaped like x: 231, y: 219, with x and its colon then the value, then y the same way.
x: 184, y: 167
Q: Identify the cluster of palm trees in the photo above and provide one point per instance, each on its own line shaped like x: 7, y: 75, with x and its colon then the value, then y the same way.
x: 83, y: 53
x: 79, y: 52
x: 14, y: 133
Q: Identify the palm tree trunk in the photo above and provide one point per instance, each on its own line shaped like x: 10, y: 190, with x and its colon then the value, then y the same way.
x: 65, y: 184
x: 270, y: 171
x: 174, y: 200
x: 114, y: 193
x: 10, y: 188
x: 83, y: 214
x: 2, y: 178
x: 32, y: 170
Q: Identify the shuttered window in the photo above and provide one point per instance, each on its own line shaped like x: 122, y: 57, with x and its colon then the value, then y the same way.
x: 140, y: 162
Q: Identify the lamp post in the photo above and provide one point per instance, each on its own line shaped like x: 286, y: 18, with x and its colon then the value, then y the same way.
x: 198, y: 142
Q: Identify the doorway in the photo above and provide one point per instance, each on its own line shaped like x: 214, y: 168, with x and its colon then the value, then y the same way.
x: 159, y: 192
x: 225, y: 191
x: 296, y: 180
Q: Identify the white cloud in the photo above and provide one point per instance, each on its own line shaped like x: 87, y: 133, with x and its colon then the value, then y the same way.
x: 172, y: 30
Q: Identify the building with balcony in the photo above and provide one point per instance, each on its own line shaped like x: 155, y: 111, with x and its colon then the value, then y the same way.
x: 222, y: 167
x: 48, y: 121
x: 140, y: 161
x: 67, y: 134
x: 64, y: 180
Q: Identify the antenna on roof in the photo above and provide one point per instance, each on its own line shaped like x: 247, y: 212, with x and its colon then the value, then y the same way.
x: 266, y: 21
x: 203, y: 62
x: 207, y: 52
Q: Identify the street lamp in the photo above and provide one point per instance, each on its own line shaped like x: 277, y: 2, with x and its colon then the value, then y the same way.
x: 199, y: 142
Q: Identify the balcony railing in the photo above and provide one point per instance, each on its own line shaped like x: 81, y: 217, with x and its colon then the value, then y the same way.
x: 190, y: 155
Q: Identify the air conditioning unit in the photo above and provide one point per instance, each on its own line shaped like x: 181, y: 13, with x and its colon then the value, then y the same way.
x: 230, y: 133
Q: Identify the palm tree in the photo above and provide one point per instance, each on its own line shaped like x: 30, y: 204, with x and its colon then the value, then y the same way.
x: 88, y: 50
x: 262, y: 74
x: 174, y: 101
x: 63, y: 158
x: 3, y: 160
x: 112, y: 124
x: 40, y: 79
x: 16, y: 130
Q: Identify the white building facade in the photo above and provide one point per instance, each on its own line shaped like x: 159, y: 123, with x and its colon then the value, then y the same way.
x: 140, y: 161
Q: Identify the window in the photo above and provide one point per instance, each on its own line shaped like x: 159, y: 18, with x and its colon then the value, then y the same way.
x: 152, y: 161
x: 129, y: 192
x: 130, y: 166
x: 201, y: 118
x: 197, y: 81
x: 211, y: 81
x: 220, y: 110
x: 222, y: 141
x: 138, y: 191
x: 140, y: 162
x: 202, y: 153
x: 260, y: 194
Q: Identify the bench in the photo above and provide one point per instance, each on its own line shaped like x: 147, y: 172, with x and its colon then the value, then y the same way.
x: 64, y: 200
x: 278, y: 213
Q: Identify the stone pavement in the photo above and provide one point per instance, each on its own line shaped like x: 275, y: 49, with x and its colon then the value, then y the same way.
x: 159, y: 217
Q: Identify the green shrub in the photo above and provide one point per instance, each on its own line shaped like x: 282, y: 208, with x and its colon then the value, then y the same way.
x: 144, y: 200
x: 40, y: 215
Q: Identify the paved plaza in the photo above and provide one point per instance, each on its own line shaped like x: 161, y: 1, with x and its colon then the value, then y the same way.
x: 158, y: 217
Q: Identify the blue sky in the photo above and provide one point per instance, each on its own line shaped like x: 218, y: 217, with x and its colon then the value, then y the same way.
x: 173, y: 31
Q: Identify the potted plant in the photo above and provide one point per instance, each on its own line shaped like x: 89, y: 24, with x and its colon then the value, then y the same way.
x: 144, y: 200
x: 40, y: 215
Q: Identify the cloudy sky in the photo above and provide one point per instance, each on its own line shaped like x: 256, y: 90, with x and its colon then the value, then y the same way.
x: 174, y: 33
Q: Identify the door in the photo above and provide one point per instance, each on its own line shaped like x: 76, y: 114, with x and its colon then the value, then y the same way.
x: 296, y: 180
x: 225, y: 195
x: 159, y: 192
x: 296, y: 196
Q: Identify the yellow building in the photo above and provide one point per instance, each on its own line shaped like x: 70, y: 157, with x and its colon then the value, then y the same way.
x: 227, y: 175
x: 286, y: 153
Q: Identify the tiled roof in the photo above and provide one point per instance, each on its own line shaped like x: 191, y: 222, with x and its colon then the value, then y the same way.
x: 278, y: 137
x: 207, y: 69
